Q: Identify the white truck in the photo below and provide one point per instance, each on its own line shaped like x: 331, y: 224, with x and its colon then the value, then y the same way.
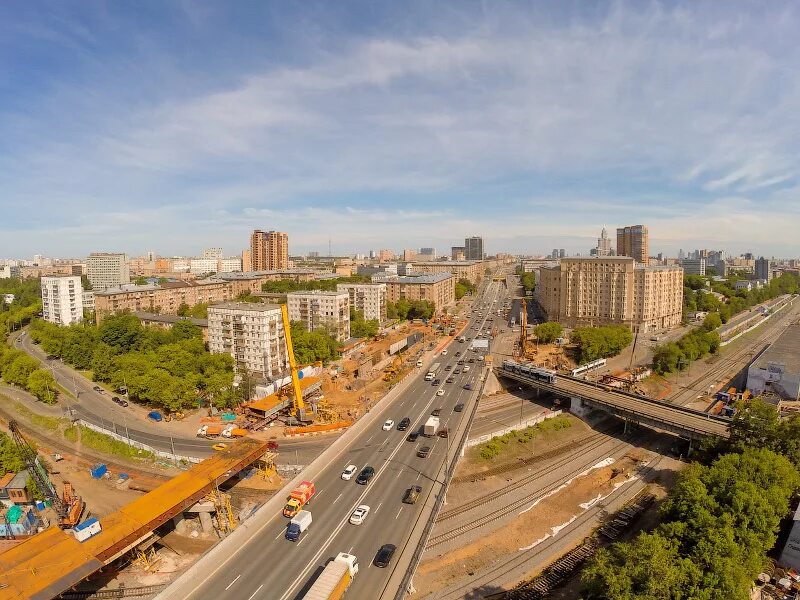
x: 298, y: 525
x: 431, y: 427
x: 432, y: 371
x: 335, y: 578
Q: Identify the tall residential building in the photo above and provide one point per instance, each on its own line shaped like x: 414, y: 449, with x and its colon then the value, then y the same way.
x: 458, y: 253
x: 409, y: 255
x: 369, y: 298
x: 385, y: 255
x: 603, y: 244
x: 252, y: 334
x: 247, y: 262
x: 473, y: 248
x: 318, y: 309
x: 763, y: 269
x: 8, y: 271
x: 62, y: 299
x: 269, y: 250
x: 694, y: 266
x: 107, y: 270
x: 610, y: 290
x: 634, y: 241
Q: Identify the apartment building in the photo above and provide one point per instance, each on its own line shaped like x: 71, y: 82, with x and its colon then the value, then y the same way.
x: 369, y: 298
x: 269, y: 250
x: 107, y: 270
x: 439, y: 288
x: 62, y: 299
x: 318, y: 309
x: 694, y: 266
x: 252, y: 334
x: 634, y: 241
x: 467, y: 269
x: 473, y: 248
x: 8, y: 272
x: 458, y: 253
x: 611, y: 290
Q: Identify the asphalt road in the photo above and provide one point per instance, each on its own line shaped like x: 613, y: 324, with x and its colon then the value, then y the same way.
x: 270, y: 567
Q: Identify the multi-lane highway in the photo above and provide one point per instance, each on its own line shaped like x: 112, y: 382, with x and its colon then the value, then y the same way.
x: 270, y: 567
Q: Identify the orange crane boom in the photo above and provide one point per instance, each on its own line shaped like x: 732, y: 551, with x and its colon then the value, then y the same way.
x: 299, y: 405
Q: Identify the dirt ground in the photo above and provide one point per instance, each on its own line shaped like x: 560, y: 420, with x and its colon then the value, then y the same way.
x: 101, y: 496
x: 533, y: 525
x: 655, y: 386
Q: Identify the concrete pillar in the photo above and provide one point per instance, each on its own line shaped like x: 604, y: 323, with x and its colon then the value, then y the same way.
x: 577, y: 408
x: 206, y: 524
x: 181, y: 526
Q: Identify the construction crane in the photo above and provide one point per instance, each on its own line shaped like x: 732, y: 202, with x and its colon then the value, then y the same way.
x: 299, y: 407
x: 523, y: 328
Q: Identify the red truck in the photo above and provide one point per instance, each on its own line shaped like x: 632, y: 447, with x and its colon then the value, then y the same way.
x: 298, y: 498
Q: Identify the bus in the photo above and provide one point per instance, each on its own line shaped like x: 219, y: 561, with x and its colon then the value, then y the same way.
x: 432, y: 371
x: 595, y: 364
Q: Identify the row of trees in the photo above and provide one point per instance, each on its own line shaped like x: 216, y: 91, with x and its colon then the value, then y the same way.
x: 718, y: 522
x: 600, y: 342
x: 165, y: 368
x: 283, y: 286
x: 528, y: 281
x: 676, y: 356
x: 464, y: 287
x: 410, y: 309
x: 17, y: 368
x: 313, y: 346
x: 361, y: 327
x: 548, y: 332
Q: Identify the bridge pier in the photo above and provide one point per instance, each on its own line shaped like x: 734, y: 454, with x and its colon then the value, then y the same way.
x: 577, y: 408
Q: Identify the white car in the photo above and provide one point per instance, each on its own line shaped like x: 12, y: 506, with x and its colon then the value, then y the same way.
x: 348, y: 473
x: 388, y: 425
x: 444, y: 352
x: 359, y: 514
x: 440, y: 392
x: 466, y: 368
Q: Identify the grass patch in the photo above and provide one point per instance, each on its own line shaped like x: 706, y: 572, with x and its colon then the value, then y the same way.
x: 49, y: 423
x: 104, y: 443
x: 494, y: 447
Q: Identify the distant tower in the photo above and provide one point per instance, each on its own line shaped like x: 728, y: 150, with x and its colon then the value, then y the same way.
x: 603, y: 244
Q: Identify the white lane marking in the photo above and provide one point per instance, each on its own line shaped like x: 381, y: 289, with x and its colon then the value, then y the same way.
x: 400, y: 472
x: 370, y: 439
x: 398, y: 514
x: 282, y: 532
x: 337, y: 498
x: 302, y: 540
x: 258, y: 589
x: 232, y: 582
x: 379, y: 507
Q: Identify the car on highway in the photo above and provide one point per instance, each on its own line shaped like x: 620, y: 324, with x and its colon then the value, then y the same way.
x: 467, y: 386
x: 444, y: 352
x: 120, y: 401
x: 447, y: 368
x: 359, y: 514
x: 458, y: 353
x: 366, y: 474
x: 436, y: 412
x: 461, y: 362
x: 219, y: 446
x: 403, y: 424
x: 456, y: 371
x: 412, y: 437
x: 412, y: 494
x: 424, y: 452
x: 458, y: 407
x: 450, y: 379
x: 466, y: 367
x: 97, y: 388
x: 436, y: 382
x: 349, y: 471
x: 388, y: 424
x: 440, y: 392
x: 384, y: 555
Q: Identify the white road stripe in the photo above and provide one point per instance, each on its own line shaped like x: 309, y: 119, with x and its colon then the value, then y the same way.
x: 232, y: 582
x: 337, y: 498
x: 379, y: 507
x: 254, y: 593
x: 398, y: 514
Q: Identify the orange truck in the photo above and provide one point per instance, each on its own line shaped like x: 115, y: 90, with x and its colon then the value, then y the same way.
x: 298, y: 498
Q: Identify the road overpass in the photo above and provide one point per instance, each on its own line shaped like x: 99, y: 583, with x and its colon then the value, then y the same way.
x: 692, y: 424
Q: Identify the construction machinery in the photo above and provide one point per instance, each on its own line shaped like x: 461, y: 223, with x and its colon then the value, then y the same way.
x: 69, y: 507
x: 298, y: 406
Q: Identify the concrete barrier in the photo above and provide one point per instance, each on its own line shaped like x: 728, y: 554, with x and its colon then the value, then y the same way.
x: 138, y: 445
x: 525, y: 424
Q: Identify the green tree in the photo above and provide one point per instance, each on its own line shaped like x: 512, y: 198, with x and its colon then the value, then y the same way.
x: 141, y: 280
x: 712, y: 321
x: 601, y: 342
x: 121, y: 332
x: 10, y: 459
x: 102, y: 364
x: 528, y: 281
x: 186, y: 330
x: 19, y: 369
x: 361, y: 328
x: 42, y: 385
x: 548, y: 332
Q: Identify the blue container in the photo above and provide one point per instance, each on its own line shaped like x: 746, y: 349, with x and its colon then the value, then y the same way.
x: 123, y: 476
x: 39, y: 505
x: 155, y: 415
x: 98, y: 470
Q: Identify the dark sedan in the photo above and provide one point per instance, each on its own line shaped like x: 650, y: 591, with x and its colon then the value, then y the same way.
x: 366, y: 474
x: 384, y: 555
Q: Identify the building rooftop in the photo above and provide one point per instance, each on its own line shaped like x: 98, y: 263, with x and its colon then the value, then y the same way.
x: 248, y: 306
x: 785, y: 351
x: 316, y: 293
x: 419, y: 279
x: 256, y: 274
x: 19, y: 480
x: 159, y: 318
x: 447, y: 263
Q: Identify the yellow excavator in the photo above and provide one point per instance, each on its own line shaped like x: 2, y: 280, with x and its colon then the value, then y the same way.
x: 299, y: 409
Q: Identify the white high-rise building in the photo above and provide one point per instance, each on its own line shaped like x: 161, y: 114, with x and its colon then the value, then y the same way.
x: 369, y: 298
x: 252, y: 333
x: 198, y: 266
x: 62, y: 299
x: 318, y: 309
x: 604, y: 244
x: 228, y: 265
x: 107, y: 270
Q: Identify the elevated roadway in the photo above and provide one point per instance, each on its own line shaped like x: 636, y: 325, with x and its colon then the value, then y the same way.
x: 53, y: 561
x: 682, y: 421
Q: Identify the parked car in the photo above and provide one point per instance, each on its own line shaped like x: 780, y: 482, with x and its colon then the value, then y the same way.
x: 155, y: 416
x: 412, y: 437
x: 366, y: 474
x: 384, y: 555
x: 424, y: 452
x: 412, y: 494
x: 403, y: 424
x: 349, y: 471
x: 458, y: 407
x: 97, y: 388
x: 359, y: 514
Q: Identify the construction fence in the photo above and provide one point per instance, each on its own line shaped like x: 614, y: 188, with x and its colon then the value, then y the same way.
x: 139, y: 445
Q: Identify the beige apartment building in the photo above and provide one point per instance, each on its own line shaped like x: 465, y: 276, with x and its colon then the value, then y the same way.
x: 252, y: 334
x: 439, y: 288
x: 269, y: 250
x: 318, y: 309
x: 369, y: 298
x: 609, y: 290
x: 465, y: 269
x: 634, y: 241
x: 107, y: 270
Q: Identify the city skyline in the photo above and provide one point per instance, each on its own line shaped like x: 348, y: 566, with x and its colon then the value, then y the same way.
x: 184, y: 126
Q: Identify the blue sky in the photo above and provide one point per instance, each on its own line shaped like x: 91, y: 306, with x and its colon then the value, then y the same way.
x: 174, y: 126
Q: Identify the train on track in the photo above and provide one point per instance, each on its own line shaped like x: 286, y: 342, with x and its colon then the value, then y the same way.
x: 530, y: 371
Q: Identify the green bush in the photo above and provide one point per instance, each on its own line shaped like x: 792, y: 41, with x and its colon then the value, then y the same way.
x: 601, y: 342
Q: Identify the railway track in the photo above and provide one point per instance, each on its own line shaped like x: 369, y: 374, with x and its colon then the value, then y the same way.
x: 513, y: 506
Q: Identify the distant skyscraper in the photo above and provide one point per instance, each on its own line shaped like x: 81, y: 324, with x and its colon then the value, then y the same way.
x: 634, y: 241
x: 473, y: 248
x: 427, y: 251
x: 269, y: 250
x: 554, y: 253
x: 562, y: 253
x: 681, y: 255
x: 603, y: 244
x: 763, y: 269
